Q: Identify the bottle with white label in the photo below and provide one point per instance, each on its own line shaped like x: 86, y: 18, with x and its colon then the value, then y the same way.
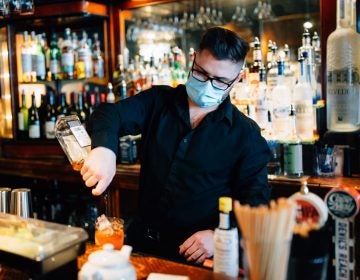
x: 342, y: 71
x: 74, y: 139
x: 226, y: 242
x: 281, y: 101
x: 34, y: 120
x: 293, y: 162
x: 303, y: 101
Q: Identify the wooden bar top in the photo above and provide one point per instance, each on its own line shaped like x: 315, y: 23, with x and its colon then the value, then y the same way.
x: 145, y: 264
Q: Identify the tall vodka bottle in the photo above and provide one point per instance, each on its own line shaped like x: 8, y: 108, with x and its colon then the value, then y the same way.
x: 343, y: 70
x: 303, y: 101
x: 281, y: 102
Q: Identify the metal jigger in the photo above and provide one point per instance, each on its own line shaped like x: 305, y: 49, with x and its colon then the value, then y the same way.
x: 5, y: 200
x: 21, y: 203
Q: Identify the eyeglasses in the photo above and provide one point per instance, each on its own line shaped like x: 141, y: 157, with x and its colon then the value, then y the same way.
x: 201, y: 76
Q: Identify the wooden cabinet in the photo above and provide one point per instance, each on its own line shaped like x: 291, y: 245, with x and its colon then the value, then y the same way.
x: 79, y: 16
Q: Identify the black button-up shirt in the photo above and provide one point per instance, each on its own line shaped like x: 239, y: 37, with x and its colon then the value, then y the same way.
x: 183, y: 170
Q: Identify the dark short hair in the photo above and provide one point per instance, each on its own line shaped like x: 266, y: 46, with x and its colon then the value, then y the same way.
x: 224, y: 44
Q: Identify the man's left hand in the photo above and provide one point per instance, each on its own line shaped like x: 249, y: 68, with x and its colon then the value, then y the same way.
x: 198, y: 246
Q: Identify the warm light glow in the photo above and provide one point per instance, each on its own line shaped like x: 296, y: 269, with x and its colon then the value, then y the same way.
x: 5, y: 53
x: 308, y: 25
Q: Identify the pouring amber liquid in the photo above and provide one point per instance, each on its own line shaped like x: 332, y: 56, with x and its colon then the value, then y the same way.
x: 77, y: 165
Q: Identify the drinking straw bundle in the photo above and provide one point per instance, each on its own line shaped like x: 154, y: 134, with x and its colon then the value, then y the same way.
x: 267, y: 234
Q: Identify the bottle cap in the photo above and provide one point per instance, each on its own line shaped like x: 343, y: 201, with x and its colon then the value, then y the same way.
x: 225, y: 204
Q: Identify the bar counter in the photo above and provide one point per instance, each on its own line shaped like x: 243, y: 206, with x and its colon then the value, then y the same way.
x: 143, y: 264
x: 127, y: 177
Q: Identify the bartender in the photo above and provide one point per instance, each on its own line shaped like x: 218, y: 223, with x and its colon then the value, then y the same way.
x: 196, y: 147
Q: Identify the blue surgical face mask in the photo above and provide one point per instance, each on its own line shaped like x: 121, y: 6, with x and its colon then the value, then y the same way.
x: 204, y: 94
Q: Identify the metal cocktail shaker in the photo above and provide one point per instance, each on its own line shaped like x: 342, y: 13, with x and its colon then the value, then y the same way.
x: 5, y: 200
x: 21, y: 204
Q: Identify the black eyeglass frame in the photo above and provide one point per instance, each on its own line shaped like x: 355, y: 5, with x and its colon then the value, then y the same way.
x: 228, y: 84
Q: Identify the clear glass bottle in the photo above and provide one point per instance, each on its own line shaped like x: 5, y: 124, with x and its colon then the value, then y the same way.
x: 23, y: 116
x: 50, y: 116
x: 260, y: 101
x: 293, y: 162
x: 303, y: 102
x: 34, y: 120
x: 55, y: 58
x: 272, y: 69
x: 67, y: 56
x: 26, y: 58
x: 98, y: 61
x: 63, y: 109
x: 254, y: 68
x: 74, y: 140
x: 40, y: 60
x: 110, y: 97
x: 343, y: 66
x: 281, y: 101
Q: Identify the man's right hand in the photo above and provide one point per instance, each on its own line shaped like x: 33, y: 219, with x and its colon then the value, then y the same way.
x: 99, y: 169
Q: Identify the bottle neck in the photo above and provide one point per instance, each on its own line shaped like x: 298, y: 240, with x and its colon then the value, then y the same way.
x: 224, y: 220
x: 345, y: 13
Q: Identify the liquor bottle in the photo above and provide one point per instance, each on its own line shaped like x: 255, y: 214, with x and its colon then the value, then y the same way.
x: 50, y: 117
x: 293, y: 162
x: 23, y: 116
x: 241, y: 92
x: 73, y: 101
x: 34, y: 121
x: 75, y: 46
x: 62, y: 110
x: 303, y: 102
x: 33, y: 47
x: 260, y: 100
x: 84, y: 63
x: 74, y: 140
x: 315, y: 42
x: 40, y: 60
x: 98, y: 61
x: 307, y: 51
x: 274, y: 164
x: 67, y: 56
x: 110, y: 97
x: 289, y: 73
x: 55, y: 58
x: 42, y: 113
x: 254, y: 68
x: 26, y: 59
x: 80, y: 111
x: 269, y: 55
x: 119, y: 75
x: 272, y: 69
x: 343, y: 66
x: 226, y: 252
x: 281, y: 101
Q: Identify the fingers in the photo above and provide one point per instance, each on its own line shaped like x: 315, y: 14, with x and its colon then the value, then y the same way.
x: 100, y: 187
x: 84, y: 169
x: 187, y: 243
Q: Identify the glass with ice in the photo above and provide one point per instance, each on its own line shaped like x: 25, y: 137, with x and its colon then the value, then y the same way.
x: 109, y: 230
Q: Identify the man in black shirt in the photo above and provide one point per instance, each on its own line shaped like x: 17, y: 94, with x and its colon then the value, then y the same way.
x: 196, y: 147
